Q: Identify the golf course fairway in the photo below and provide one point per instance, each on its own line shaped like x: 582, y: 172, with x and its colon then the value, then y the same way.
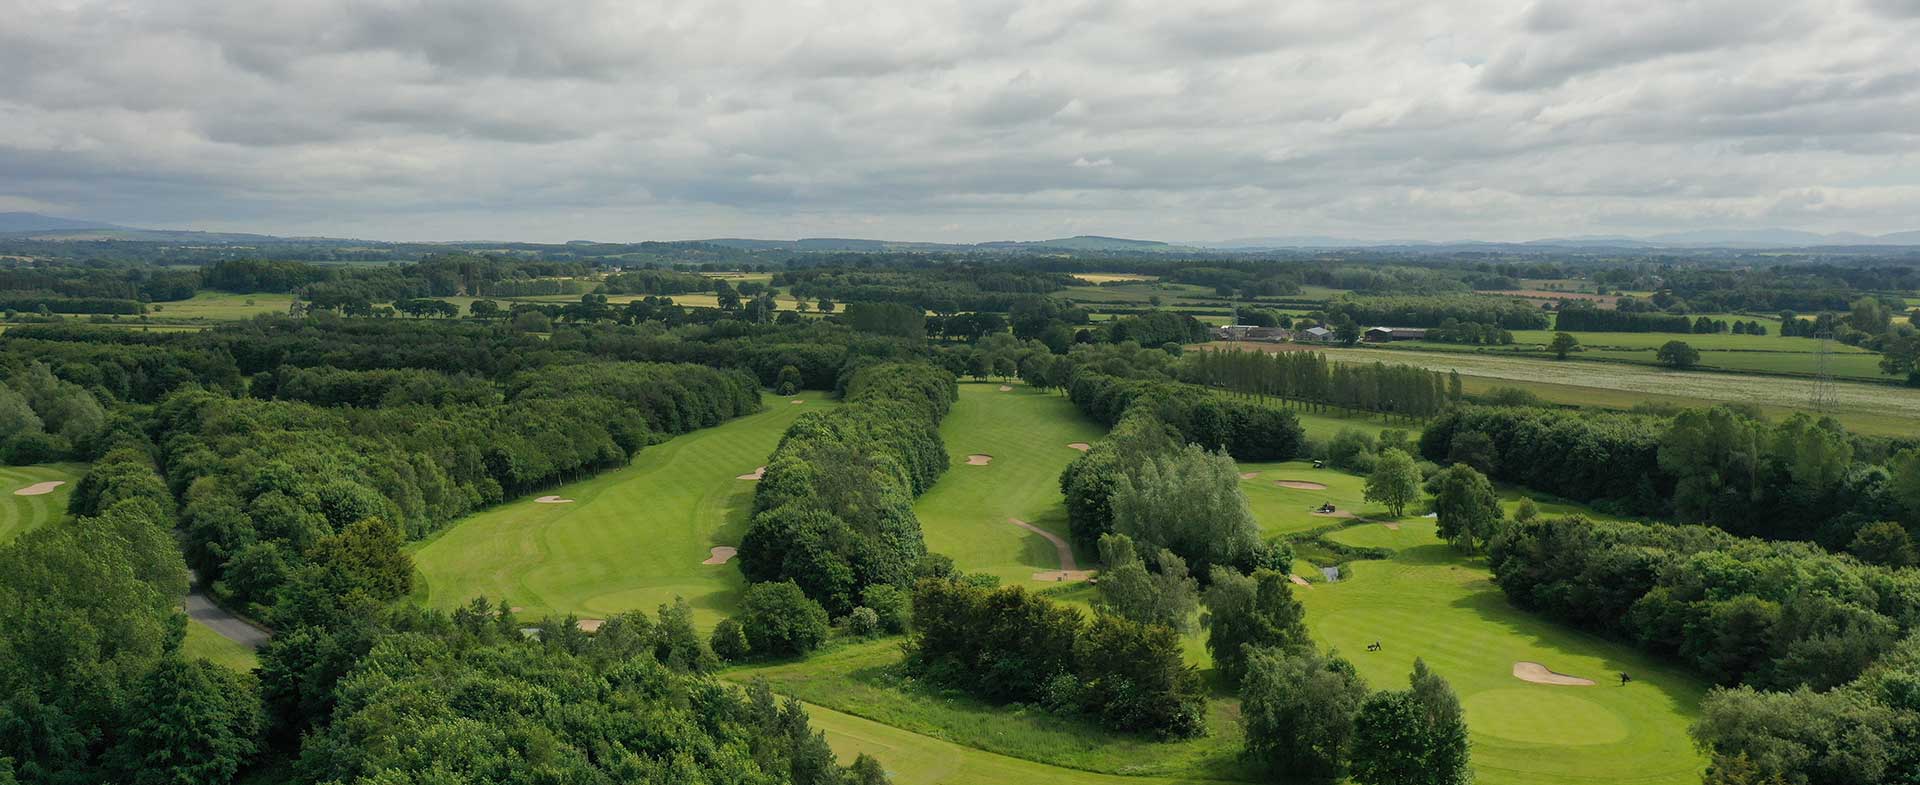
x: 965, y: 515
x: 632, y: 538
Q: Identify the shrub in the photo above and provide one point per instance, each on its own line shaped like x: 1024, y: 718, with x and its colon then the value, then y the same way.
x: 891, y: 605
x: 863, y: 622
x: 779, y: 620
x: 729, y: 641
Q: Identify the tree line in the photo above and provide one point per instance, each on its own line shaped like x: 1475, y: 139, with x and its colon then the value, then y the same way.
x: 1798, y: 479
x: 1248, y: 430
x: 1430, y: 311
x: 1309, y: 377
x: 834, y: 510
x: 272, y: 479
x: 1821, y: 646
x: 93, y: 685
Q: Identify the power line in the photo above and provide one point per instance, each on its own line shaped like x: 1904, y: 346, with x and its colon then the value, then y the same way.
x: 1822, y: 400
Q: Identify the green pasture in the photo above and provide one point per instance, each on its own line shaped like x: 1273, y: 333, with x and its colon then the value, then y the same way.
x: 205, y: 644
x: 22, y: 514
x: 965, y: 514
x: 213, y: 306
x: 1430, y: 602
x: 631, y: 539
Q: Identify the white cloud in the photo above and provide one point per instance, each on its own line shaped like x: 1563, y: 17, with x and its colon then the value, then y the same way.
x: 950, y: 119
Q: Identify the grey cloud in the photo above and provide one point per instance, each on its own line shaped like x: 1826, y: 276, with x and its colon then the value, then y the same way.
x: 959, y: 119
x: 1563, y: 39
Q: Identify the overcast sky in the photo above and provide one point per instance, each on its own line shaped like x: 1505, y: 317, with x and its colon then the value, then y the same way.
x: 963, y: 121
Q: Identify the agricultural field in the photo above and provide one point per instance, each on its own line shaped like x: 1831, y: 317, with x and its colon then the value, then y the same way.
x: 632, y: 538
x: 211, y: 306
x: 47, y: 487
x: 1771, y: 342
x: 1100, y: 278
x: 965, y: 515
x: 1875, y: 408
x: 1742, y: 353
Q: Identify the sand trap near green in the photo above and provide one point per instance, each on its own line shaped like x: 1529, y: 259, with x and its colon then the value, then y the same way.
x: 1430, y: 602
x: 630, y: 539
x: 22, y: 513
x: 1282, y: 510
x: 965, y: 515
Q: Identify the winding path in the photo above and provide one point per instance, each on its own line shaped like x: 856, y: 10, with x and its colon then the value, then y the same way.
x: 200, y: 608
x: 1069, y: 567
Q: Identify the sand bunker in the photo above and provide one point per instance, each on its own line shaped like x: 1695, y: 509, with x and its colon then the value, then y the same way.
x: 40, y: 488
x: 1081, y: 446
x: 1393, y: 526
x: 757, y: 474
x: 1539, y: 674
x: 979, y: 460
x: 1005, y: 388
x: 552, y: 500
x: 1301, y: 485
x: 1299, y: 581
x: 721, y: 555
x: 590, y: 625
x: 796, y: 403
x: 1069, y: 568
x: 1249, y: 475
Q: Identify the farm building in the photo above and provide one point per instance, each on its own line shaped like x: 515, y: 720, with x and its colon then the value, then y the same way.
x: 1247, y: 332
x: 1390, y: 334
x: 1315, y: 335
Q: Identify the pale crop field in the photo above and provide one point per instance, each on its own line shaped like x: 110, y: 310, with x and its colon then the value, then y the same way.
x: 1875, y: 400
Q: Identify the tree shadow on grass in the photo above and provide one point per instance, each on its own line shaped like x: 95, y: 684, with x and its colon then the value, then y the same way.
x: 1490, y: 605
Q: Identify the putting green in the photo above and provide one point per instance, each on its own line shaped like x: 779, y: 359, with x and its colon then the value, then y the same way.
x: 1428, y: 601
x: 965, y: 514
x: 632, y: 538
x: 1543, y: 716
x: 1284, y: 510
x: 22, y: 514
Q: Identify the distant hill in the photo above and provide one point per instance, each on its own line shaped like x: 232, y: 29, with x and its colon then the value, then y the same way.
x: 35, y: 222
x: 1085, y: 242
x: 823, y: 244
x: 1737, y: 238
x: 34, y: 226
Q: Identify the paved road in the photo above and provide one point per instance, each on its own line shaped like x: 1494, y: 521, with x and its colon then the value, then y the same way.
x: 201, y: 609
